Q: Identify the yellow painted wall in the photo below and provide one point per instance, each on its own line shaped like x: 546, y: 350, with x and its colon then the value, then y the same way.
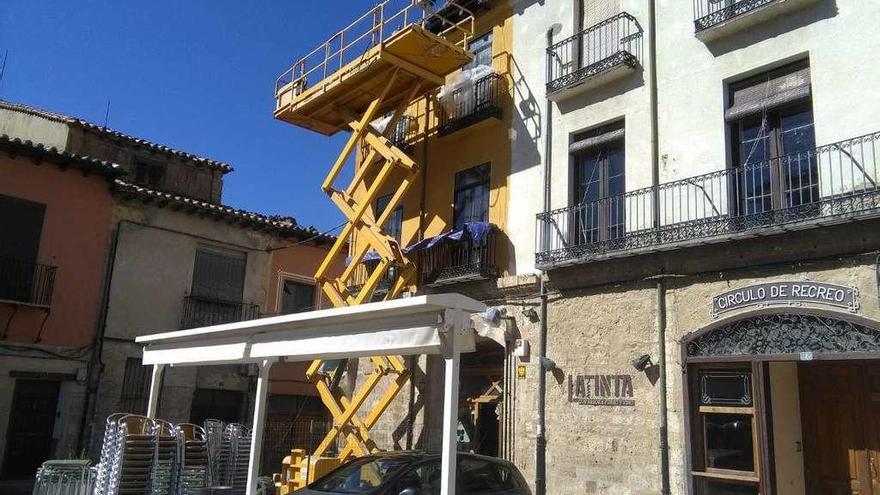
x: 486, y: 141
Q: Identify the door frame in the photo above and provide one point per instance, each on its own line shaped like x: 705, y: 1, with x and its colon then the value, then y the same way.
x: 760, y: 375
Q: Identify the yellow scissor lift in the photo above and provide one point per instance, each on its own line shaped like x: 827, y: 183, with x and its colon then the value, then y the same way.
x: 397, y: 52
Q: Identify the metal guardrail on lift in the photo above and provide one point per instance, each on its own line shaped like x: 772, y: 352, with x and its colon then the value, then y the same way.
x: 371, y: 29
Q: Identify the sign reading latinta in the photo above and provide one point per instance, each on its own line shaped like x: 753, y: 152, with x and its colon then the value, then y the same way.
x: 791, y: 293
x: 601, y: 390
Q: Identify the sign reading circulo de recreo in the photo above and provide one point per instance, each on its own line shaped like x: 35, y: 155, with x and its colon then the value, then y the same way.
x: 787, y: 293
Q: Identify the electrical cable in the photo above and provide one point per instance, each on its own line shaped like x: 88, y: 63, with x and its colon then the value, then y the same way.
x: 326, y: 232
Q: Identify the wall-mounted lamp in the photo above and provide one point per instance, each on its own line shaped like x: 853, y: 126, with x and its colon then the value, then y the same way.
x: 547, y: 364
x: 643, y: 362
x: 531, y: 314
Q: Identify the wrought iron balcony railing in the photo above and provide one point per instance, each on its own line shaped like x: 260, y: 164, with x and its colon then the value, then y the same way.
x: 613, y: 43
x: 709, y: 13
x: 202, y: 312
x: 22, y: 282
x: 465, y: 261
x: 832, y: 183
x: 468, y: 105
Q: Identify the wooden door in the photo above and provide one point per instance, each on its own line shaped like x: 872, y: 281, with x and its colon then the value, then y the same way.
x: 833, y: 429
x: 872, y: 422
x: 31, y: 423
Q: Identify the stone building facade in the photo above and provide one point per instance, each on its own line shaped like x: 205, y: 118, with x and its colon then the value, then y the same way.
x: 740, y: 259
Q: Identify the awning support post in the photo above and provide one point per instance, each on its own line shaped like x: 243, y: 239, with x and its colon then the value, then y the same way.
x: 155, y: 390
x: 454, y: 322
x: 258, y: 425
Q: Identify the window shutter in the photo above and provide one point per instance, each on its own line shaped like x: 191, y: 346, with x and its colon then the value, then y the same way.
x: 771, y: 89
x: 219, y: 274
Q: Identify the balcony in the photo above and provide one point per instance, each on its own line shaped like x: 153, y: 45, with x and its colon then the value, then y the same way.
x: 831, y: 184
x: 363, y: 271
x: 202, y: 312
x: 25, y: 283
x: 597, y: 55
x: 469, y: 259
x: 472, y: 103
x: 714, y: 19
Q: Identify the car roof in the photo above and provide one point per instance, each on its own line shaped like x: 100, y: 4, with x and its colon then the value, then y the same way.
x: 420, y: 455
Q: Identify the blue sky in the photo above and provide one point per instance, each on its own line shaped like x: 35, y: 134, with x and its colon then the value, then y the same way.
x: 193, y: 74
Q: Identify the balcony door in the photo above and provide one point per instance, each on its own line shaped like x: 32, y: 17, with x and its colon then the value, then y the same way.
x: 217, y: 288
x: 471, y: 200
x: 597, y: 44
x: 771, y: 122
x: 21, y: 223
x: 599, y: 184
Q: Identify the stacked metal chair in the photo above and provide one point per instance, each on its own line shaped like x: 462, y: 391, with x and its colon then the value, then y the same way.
x: 128, y: 455
x: 238, y: 438
x: 108, y: 454
x: 215, y: 433
x: 194, y: 462
x: 164, y: 469
x: 65, y: 477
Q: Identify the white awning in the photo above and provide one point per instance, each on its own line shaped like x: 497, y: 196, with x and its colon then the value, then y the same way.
x: 402, y: 327
x: 430, y: 324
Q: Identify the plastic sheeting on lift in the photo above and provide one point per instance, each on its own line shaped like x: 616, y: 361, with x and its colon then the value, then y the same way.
x: 472, y: 231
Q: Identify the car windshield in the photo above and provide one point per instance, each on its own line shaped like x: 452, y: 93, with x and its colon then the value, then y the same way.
x: 361, y: 476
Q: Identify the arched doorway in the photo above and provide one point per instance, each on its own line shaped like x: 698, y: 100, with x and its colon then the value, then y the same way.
x: 783, y: 402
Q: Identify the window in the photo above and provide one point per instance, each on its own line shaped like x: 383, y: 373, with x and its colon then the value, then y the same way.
x: 218, y: 274
x: 481, y: 476
x: 424, y: 479
x: 21, y: 225
x: 481, y: 47
x: 771, y: 123
x: 725, y: 427
x: 297, y: 297
x: 394, y: 225
x: 135, y: 387
x: 471, y: 201
x: 599, y: 183
x: 148, y: 173
x: 361, y: 476
x: 224, y: 405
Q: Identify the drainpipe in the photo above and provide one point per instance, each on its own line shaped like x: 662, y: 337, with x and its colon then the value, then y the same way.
x: 540, y: 437
x: 663, y: 419
x: 664, y: 411
x: 96, y: 366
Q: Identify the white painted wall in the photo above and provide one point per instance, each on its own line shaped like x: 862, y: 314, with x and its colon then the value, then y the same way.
x: 24, y: 126
x: 838, y: 36
x: 152, y: 274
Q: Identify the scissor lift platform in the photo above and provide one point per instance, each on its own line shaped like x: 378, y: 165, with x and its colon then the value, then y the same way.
x: 394, y: 54
x: 328, y: 105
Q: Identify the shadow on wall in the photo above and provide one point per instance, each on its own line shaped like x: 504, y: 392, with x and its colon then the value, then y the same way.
x: 773, y: 28
x: 526, y: 121
x: 519, y: 6
x: 602, y: 93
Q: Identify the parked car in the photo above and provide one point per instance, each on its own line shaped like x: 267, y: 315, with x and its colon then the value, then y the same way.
x: 418, y: 473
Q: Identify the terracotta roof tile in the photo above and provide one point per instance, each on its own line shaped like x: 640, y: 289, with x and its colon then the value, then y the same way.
x: 279, y: 225
x: 16, y: 146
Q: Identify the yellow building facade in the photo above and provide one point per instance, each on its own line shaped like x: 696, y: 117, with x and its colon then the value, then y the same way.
x: 461, y: 131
